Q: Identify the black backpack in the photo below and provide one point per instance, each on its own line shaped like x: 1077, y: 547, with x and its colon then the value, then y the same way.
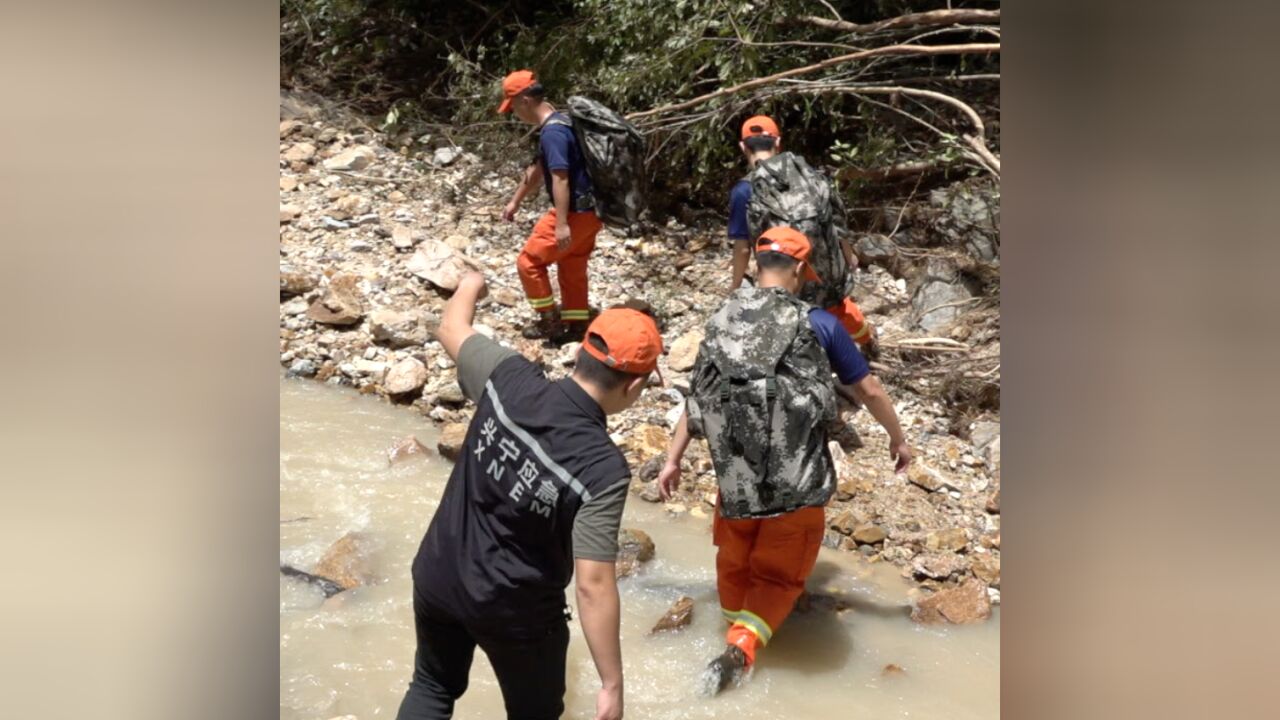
x: 613, y: 150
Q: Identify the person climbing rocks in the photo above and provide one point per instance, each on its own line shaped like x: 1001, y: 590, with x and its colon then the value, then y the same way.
x: 761, y: 397
x: 566, y: 234
x: 535, y: 499
x: 760, y: 142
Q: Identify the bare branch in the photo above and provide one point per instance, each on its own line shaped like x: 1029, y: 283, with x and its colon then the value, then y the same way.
x: 909, y: 50
x: 930, y: 18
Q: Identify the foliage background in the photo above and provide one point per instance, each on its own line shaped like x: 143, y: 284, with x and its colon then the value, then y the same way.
x: 437, y: 66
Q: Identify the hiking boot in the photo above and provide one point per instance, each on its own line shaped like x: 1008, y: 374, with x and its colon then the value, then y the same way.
x: 569, y: 332
x: 729, y: 668
x: 545, y: 327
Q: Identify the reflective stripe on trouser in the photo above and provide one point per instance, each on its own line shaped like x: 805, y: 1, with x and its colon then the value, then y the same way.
x: 540, y: 252
x: 850, y: 316
x: 761, y: 566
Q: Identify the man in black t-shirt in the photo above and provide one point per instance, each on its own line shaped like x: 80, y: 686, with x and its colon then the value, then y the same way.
x: 535, y: 498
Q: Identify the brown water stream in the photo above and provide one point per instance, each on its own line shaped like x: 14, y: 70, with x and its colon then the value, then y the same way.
x: 355, y: 656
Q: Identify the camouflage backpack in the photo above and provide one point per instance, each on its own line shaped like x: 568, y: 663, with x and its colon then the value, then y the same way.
x: 614, y: 153
x: 785, y: 190
x: 762, y: 397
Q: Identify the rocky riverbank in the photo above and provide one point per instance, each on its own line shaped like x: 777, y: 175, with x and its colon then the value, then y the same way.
x: 375, y: 231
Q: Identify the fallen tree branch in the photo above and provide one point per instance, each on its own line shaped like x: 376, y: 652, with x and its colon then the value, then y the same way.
x: 907, y: 50
x: 921, y: 19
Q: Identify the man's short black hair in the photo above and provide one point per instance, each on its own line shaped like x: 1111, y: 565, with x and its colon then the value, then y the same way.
x: 757, y: 143
x: 597, y: 373
x: 535, y: 91
x: 772, y: 260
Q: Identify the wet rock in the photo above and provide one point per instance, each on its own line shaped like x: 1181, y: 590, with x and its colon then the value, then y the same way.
x: 347, y: 561
x: 406, y: 376
x: 684, y: 351
x: 406, y: 448
x: 952, y: 539
x: 342, y: 304
x: 296, y: 282
x: 452, y: 438
x: 869, y: 534
x: 635, y: 548
x: 892, y: 670
x: 440, y: 265
x: 402, y: 329
x: 302, y: 368
x: 677, y: 616
x: 356, y: 158
x: 967, y: 603
x: 300, y: 152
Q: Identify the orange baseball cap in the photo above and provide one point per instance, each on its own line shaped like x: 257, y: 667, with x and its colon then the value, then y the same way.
x: 788, y: 241
x: 760, y: 125
x: 514, y: 84
x: 632, y: 339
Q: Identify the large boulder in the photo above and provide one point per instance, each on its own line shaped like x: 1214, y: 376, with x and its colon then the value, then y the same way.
x: 967, y: 214
x: 940, y: 297
x: 402, y: 329
x: 342, y: 304
x: 439, y: 264
x: 967, y: 603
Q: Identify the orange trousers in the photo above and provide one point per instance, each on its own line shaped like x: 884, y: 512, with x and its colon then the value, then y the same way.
x: 761, y: 567
x: 850, y: 316
x: 540, y: 251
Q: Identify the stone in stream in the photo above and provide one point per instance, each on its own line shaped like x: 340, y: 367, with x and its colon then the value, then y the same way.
x: 406, y: 448
x: 347, y: 561
x: 635, y: 548
x: 342, y: 304
x: 327, y: 586
x: 451, y: 440
x: 677, y: 616
x: 892, y: 670
x: 967, y: 603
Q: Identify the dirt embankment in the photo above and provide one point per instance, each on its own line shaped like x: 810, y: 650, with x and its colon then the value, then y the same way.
x: 372, y: 239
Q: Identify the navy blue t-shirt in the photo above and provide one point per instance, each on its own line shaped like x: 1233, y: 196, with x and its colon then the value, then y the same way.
x: 739, y: 196
x: 558, y: 150
x: 846, y: 359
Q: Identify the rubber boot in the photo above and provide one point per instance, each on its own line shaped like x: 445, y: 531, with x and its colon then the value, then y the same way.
x: 734, y: 664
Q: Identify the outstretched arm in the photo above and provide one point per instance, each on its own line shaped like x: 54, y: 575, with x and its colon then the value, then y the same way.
x: 669, y: 476
x: 455, y: 326
x: 871, y: 393
x: 598, y: 608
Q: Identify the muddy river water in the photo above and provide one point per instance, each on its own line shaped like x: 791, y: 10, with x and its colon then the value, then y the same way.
x: 354, y: 656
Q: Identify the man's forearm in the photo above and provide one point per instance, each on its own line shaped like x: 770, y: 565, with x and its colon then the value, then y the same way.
x: 560, y: 195
x: 459, y: 313
x: 598, y: 609
x: 741, y: 258
x: 679, y: 441
x: 878, y: 404
x: 532, y: 175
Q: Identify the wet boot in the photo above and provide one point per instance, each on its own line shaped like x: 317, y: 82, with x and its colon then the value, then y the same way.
x: 727, y: 669
x: 569, y: 332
